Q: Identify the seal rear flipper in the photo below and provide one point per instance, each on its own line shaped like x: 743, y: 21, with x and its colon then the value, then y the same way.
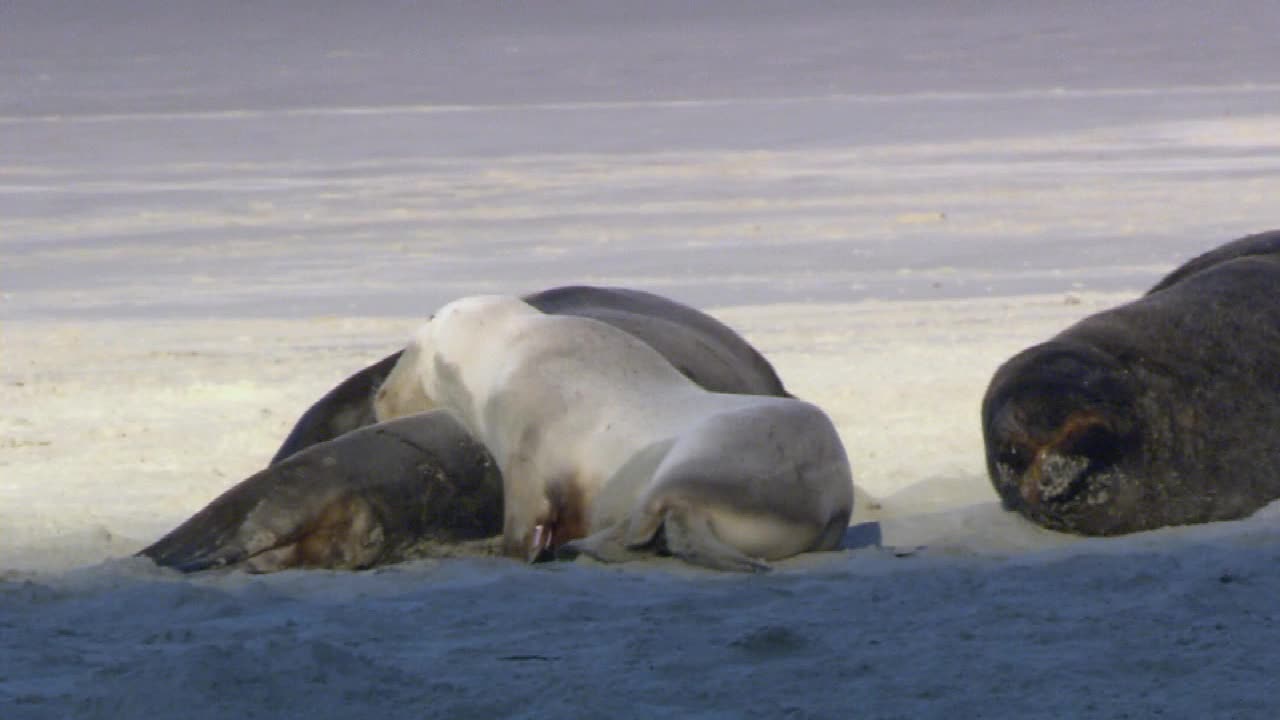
x: 689, y: 536
x: 833, y: 534
x: 608, y: 545
x: 682, y: 532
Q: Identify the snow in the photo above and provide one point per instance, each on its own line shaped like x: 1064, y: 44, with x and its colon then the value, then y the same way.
x: 207, y: 218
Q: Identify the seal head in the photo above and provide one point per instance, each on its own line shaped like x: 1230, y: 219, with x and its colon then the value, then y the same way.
x: 1061, y: 435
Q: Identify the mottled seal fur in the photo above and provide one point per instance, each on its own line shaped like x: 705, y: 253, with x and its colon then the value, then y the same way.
x: 1163, y: 411
x: 601, y: 440
x: 372, y: 496
x: 706, y: 350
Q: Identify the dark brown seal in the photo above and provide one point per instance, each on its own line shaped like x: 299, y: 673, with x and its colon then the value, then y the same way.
x: 372, y: 496
x: 1163, y: 411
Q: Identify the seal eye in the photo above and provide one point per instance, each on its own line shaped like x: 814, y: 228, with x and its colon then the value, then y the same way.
x: 1015, y: 457
x: 1097, y: 443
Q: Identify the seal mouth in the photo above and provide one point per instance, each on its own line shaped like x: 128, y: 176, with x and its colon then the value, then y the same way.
x: 1060, y: 466
x: 1051, y: 474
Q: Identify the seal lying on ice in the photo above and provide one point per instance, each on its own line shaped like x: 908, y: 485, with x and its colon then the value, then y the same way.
x: 1164, y: 411
x: 372, y: 496
x: 600, y: 439
x: 701, y: 347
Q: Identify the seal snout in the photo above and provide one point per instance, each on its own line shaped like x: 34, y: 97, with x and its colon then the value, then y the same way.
x: 1050, y: 463
x: 1052, y: 477
x: 1083, y: 444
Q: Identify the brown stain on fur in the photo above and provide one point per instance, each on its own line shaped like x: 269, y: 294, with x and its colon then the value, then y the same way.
x: 1074, y: 426
x: 345, y: 535
x: 566, y: 518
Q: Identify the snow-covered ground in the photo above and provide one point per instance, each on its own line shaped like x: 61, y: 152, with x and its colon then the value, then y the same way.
x: 209, y: 214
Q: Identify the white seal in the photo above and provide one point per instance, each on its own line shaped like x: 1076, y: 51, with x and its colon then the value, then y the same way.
x: 606, y: 449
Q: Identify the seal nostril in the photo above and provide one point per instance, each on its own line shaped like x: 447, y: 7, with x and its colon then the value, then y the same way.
x: 1083, y: 446
x: 1062, y: 476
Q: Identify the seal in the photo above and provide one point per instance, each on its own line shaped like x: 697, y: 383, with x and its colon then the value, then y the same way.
x: 372, y: 496
x: 703, y: 348
x: 311, y: 513
x: 1162, y: 411
x: 601, y: 440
